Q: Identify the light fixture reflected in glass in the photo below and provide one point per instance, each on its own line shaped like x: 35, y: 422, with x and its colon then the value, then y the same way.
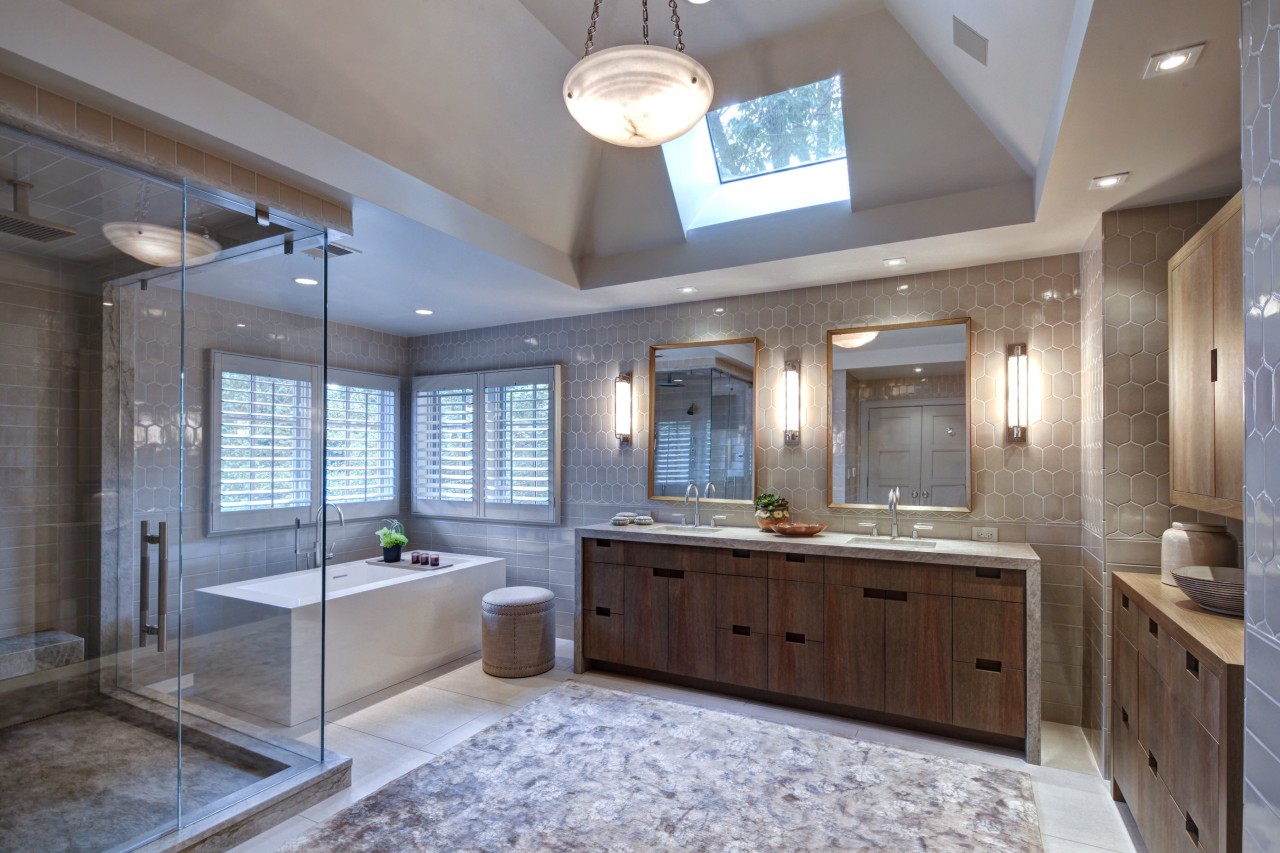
x: 637, y: 95
x: 622, y: 409
x: 853, y: 340
x: 305, y: 282
x: 791, y: 402
x: 1017, y: 408
x: 160, y: 245
x: 425, y: 312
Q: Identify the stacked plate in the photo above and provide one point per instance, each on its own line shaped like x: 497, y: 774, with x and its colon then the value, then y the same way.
x: 1215, y: 588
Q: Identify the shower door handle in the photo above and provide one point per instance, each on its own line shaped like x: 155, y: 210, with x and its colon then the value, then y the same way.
x: 162, y: 586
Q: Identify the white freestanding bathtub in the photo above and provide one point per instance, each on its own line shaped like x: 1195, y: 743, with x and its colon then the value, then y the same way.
x: 256, y: 645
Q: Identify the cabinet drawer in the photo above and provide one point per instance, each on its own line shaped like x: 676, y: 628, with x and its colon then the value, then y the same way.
x: 989, y: 700
x: 738, y: 561
x: 1124, y: 750
x: 742, y: 659
x: 650, y: 555
x: 1148, y: 643
x: 893, y: 575
x: 796, y: 608
x: 1124, y: 677
x: 604, y: 551
x: 994, y: 584
x: 796, y: 567
x: 989, y: 630
x: 1153, y: 714
x: 1125, y: 612
x: 691, y: 646
x: 1196, y: 686
x: 1192, y: 778
x: 743, y: 602
x: 796, y: 668
x: 603, y: 587
x: 604, y: 636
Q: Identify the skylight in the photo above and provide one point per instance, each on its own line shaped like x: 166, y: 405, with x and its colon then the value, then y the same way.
x: 780, y: 152
x: 786, y: 130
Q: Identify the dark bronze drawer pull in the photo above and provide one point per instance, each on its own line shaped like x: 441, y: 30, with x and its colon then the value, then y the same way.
x: 742, y: 630
x: 1124, y: 602
x: 795, y: 558
x: 604, y: 543
x: 1152, y: 763
x: 990, y: 574
x: 794, y: 638
x: 987, y: 665
x: 1193, y: 665
x: 741, y: 555
x: 1124, y: 715
x: 1192, y: 829
x: 894, y: 595
x: 674, y: 574
x: 1153, y: 628
x: 873, y: 593
x: 603, y: 611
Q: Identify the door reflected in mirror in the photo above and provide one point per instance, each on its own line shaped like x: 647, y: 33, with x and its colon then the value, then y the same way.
x: 703, y: 425
x: 899, y: 415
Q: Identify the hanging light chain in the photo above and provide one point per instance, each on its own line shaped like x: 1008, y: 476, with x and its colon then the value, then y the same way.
x: 591, y: 30
x: 675, y: 19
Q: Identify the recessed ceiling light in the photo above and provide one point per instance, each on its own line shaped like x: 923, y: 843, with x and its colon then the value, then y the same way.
x: 306, y: 281
x: 1173, y: 60
x: 1107, y: 182
x: 918, y: 369
x: 895, y: 262
x: 425, y: 312
x: 240, y: 325
x: 717, y: 310
x: 688, y: 288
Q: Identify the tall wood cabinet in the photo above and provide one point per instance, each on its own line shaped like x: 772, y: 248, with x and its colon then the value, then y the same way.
x: 1206, y: 367
x: 1177, y: 716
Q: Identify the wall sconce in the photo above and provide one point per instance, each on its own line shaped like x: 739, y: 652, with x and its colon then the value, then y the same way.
x: 622, y: 409
x: 1017, y: 407
x: 791, y: 402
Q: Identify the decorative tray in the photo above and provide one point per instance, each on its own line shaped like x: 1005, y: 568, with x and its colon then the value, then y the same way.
x: 784, y: 528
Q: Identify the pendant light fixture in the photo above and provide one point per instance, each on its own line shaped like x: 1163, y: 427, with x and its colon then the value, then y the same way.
x: 637, y: 95
x: 158, y: 245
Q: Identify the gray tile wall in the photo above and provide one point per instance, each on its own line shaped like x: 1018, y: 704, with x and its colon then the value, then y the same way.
x: 1030, y: 492
x: 1093, y: 504
x: 1260, y: 156
x: 50, y: 405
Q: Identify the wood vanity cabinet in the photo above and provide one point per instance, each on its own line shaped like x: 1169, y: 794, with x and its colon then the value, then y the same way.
x: 1206, y: 367
x: 934, y: 643
x: 1176, y: 717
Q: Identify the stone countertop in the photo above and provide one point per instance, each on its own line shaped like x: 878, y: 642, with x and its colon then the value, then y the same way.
x: 953, y: 552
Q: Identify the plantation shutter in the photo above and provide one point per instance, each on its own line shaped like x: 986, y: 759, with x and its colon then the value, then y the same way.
x: 360, y: 441
x: 519, y: 449
x: 444, y: 445
x: 673, y: 457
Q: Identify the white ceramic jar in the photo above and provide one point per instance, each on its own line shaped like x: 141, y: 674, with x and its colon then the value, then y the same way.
x: 1195, y: 545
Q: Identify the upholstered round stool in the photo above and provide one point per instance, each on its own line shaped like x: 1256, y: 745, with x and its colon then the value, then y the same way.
x: 518, y: 631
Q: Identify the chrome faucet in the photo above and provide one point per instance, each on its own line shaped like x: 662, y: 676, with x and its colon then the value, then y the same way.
x: 342, y: 522
x: 708, y: 491
x: 893, y: 513
x: 697, y: 521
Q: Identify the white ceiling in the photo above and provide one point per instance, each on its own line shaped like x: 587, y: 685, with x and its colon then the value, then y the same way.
x: 476, y: 195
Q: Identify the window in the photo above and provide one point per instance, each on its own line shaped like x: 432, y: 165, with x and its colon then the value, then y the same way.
x: 486, y: 445
x: 268, y: 430
x: 798, y: 127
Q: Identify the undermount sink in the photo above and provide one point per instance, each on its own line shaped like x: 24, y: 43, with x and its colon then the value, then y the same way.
x: 886, y: 542
x: 675, y: 528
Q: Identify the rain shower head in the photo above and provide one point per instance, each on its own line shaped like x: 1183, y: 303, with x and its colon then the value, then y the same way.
x: 20, y: 223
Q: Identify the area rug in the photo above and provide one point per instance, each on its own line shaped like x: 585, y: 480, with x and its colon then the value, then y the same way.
x: 585, y: 768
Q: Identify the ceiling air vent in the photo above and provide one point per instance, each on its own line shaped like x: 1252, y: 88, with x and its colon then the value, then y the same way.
x: 335, y: 250
x: 967, y: 39
x: 20, y: 223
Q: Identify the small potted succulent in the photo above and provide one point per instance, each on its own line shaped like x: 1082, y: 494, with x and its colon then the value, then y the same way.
x: 393, y: 539
x: 771, y: 509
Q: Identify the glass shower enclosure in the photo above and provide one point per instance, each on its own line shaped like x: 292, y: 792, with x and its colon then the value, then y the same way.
x: 118, y: 293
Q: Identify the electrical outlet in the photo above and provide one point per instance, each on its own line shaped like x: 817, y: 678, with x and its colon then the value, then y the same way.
x: 986, y: 534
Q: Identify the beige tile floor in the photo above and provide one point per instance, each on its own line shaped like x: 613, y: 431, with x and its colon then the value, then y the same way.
x: 395, y: 730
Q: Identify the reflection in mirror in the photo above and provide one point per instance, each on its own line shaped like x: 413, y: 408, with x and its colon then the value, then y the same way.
x: 703, y: 402
x: 899, y: 415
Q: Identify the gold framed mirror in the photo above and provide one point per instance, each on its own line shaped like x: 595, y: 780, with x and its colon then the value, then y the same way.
x: 703, y: 423
x: 898, y: 416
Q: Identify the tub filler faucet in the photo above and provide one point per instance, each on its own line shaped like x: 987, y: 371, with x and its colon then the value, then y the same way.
x: 321, y: 556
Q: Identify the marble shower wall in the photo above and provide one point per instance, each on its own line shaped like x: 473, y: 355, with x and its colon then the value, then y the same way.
x: 1030, y: 492
x: 152, y: 459
x: 1260, y: 156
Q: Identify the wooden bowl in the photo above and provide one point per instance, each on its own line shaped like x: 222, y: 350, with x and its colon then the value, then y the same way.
x: 793, y: 528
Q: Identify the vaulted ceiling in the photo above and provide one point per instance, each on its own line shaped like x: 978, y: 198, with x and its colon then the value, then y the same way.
x: 442, y: 121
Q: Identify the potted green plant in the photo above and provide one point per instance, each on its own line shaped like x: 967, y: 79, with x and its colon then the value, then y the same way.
x: 393, y: 539
x: 771, y: 509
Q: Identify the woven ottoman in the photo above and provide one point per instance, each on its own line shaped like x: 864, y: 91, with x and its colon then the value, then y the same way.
x: 518, y: 631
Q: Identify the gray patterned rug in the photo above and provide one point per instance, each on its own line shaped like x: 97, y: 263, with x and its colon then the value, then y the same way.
x: 584, y: 768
